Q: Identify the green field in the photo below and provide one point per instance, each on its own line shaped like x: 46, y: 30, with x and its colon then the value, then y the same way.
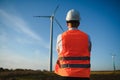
x: 21, y: 74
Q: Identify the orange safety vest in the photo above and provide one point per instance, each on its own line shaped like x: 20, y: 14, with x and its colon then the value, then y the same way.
x: 74, y: 59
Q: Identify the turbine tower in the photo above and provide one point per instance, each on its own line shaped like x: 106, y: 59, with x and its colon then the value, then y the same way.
x: 52, y: 18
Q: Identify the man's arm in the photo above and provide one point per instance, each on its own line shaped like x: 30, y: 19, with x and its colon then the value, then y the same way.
x: 90, y: 46
x: 59, y: 44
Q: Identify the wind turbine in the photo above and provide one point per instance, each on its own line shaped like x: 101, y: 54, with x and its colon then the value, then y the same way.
x: 52, y: 18
x: 113, y: 61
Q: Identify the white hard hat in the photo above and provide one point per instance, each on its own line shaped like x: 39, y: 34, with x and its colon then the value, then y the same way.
x: 73, y: 15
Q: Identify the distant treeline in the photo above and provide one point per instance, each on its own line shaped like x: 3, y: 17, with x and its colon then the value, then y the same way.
x: 5, y: 69
x: 29, y: 74
x: 20, y: 74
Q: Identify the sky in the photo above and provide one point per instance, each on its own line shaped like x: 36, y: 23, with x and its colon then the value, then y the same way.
x: 25, y: 40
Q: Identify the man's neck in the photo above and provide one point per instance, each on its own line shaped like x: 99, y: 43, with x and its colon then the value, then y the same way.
x: 72, y: 28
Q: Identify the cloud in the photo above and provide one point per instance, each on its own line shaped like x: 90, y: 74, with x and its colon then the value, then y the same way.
x: 19, y: 24
x: 24, y: 41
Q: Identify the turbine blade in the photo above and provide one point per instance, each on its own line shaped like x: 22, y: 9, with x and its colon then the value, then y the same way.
x: 43, y: 16
x: 55, y: 10
x: 59, y: 25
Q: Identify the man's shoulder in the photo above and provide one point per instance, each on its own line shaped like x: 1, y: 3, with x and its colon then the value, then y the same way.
x: 63, y: 34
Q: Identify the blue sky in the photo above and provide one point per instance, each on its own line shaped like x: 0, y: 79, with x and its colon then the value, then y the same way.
x: 24, y: 39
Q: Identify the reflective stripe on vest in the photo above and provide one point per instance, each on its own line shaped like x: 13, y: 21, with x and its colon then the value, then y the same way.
x: 75, y: 66
x: 75, y: 58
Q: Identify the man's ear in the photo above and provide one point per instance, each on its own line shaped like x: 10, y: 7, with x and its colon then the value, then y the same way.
x: 67, y: 24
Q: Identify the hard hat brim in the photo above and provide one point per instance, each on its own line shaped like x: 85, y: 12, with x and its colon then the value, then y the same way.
x: 70, y: 21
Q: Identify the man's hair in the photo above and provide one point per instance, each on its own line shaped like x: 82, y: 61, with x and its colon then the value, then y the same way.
x: 75, y: 23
